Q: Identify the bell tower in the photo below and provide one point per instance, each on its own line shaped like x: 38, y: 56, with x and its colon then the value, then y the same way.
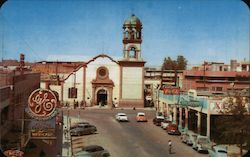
x: 132, y: 39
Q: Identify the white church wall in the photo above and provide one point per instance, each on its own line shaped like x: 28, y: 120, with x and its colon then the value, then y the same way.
x: 56, y: 88
x: 132, y: 83
x: 74, y: 80
x: 114, y: 75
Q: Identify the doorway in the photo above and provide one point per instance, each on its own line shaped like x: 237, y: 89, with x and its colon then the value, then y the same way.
x: 102, y: 97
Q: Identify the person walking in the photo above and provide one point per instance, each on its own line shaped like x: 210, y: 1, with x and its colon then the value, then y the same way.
x: 170, y: 146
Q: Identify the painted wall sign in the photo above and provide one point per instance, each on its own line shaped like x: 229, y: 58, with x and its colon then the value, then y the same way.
x: 42, y: 104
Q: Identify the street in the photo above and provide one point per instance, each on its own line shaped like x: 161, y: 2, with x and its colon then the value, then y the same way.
x: 129, y: 139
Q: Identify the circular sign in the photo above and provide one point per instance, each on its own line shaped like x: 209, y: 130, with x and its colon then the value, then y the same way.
x: 13, y: 153
x: 42, y: 104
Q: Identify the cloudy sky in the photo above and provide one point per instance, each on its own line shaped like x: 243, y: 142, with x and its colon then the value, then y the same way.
x: 200, y: 30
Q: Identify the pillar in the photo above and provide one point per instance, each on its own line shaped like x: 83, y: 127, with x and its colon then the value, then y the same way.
x: 186, y: 118
x: 175, y: 114
x: 199, y: 122
x: 208, y: 121
x: 180, y: 118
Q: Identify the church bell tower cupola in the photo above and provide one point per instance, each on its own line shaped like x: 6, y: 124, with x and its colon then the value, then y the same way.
x: 132, y: 38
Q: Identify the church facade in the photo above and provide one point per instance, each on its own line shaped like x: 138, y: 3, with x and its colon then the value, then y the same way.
x: 105, y: 81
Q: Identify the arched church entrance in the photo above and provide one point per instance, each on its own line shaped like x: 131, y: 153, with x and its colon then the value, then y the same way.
x: 102, y: 97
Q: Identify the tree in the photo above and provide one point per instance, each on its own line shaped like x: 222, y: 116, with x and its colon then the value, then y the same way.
x: 167, y: 64
x: 235, y: 127
x: 181, y: 63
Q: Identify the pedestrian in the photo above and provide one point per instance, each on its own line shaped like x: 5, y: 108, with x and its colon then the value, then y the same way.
x: 170, y: 146
x: 65, y: 131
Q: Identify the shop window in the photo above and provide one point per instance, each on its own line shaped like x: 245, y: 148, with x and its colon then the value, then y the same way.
x: 72, y: 92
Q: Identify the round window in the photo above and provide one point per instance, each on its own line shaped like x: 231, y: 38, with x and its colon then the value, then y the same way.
x: 102, y: 72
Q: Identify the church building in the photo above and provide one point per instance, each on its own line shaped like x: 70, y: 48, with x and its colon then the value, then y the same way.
x: 105, y: 81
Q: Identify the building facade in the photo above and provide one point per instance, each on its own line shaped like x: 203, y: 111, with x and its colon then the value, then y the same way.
x: 106, y: 81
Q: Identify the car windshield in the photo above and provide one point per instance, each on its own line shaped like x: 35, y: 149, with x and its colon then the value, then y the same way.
x: 121, y: 114
x: 222, y: 151
x: 203, y: 140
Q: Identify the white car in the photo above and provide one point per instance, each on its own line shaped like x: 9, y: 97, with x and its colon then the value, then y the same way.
x: 217, y: 151
x: 121, y: 117
x: 165, y: 124
x: 191, y: 138
x: 202, y: 144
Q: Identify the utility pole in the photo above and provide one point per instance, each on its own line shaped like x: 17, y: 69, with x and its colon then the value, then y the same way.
x: 204, y: 75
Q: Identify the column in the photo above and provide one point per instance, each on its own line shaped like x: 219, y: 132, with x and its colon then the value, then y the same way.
x: 93, y: 97
x: 186, y: 118
x: 175, y: 114
x: 180, y: 118
x: 208, y: 121
x: 199, y: 122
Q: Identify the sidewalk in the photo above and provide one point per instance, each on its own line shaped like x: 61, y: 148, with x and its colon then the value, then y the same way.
x: 66, y: 141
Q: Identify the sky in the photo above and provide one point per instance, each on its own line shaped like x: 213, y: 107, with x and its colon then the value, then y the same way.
x: 199, y: 30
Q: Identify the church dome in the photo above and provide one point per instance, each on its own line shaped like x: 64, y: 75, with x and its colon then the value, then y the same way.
x: 132, y: 20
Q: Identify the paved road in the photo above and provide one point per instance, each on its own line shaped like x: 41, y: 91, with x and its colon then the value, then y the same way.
x: 131, y: 139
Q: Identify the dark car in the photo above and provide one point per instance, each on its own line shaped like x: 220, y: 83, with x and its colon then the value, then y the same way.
x: 95, y: 151
x: 172, y: 129
x: 83, y: 130
x: 78, y: 124
x: 157, y: 120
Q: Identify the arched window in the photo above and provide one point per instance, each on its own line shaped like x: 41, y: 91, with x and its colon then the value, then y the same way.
x: 132, y: 53
x: 126, y: 34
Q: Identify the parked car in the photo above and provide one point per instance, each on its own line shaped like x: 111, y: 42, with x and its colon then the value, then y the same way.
x: 172, y: 129
x: 202, y: 144
x: 93, y: 151
x: 191, y: 138
x: 121, y: 117
x: 165, y: 123
x: 83, y: 130
x: 157, y: 120
x: 184, y: 137
x: 78, y: 124
x: 217, y: 151
x: 141, y: 117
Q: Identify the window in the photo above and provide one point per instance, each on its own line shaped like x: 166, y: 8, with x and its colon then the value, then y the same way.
x: 72, y: 92
x: 219, y: 89
x: 132, y: 53
x: 126, y: 34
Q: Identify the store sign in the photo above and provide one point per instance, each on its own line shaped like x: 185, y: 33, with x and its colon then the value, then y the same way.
x: 219, y: 107
x: 42, y: 134
x: 171, y: 91
x: 42, y: 104
x: 13, y: 153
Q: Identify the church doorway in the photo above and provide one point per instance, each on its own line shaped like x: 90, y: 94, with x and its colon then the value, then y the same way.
x: 102, y: 97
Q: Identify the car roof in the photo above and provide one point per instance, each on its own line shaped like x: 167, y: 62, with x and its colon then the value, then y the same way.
x: 140, y: 113
x: 160, y: 117
x: 219, y: 148
x: 91, y: 147
x: 83, y: 154
x: 121, y: 113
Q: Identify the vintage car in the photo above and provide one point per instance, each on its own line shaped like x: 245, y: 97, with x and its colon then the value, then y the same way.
x: 172, y: 129
x: 141, y: 117
x: 121, y: 117
x: 217, y: 151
